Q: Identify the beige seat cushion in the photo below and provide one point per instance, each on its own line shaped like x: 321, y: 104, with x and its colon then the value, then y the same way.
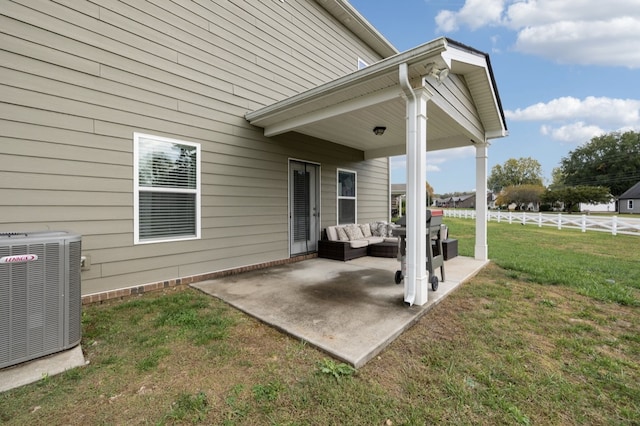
x: 375, y: 240
x: 332, y: 233
x: 358, y: 243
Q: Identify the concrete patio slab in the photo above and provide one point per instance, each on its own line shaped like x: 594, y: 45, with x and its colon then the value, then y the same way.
x: 351, y: 310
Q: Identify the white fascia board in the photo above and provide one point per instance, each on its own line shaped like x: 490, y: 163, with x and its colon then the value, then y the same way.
x: 495, y: 134
x: 454, y: 54
x: 384, y: 67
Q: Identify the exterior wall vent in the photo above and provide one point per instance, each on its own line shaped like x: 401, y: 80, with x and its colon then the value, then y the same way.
x: 40, y: 295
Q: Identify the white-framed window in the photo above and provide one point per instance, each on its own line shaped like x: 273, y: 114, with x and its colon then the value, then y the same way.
x: 630, y: 204
x: 166, y: 175
x: 362, y: 63
x: 347, y: 196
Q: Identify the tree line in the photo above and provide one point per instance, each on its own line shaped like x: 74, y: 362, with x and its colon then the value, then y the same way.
x: 597, y: 172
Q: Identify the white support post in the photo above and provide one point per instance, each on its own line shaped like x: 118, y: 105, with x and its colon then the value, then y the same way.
x: 416, y: 280
x: 481, y: 249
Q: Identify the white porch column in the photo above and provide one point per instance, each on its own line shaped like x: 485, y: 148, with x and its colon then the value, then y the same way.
x: 481, y: 248
x: 416, y: 280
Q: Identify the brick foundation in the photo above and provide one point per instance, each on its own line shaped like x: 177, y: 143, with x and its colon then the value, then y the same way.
x: 157, y: 286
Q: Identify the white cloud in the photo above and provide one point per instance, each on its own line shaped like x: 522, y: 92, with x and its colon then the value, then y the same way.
x: 446, y: 22
x: 474, y: 14
x: 578, y: 31
x: 533, y: 13
x: 609, y: 112
x: 609, y: 43
x: 400, y: 163
x: 572, y: 133
x: 570, y: 119
x: 436, y: 159
x: 494, y: 43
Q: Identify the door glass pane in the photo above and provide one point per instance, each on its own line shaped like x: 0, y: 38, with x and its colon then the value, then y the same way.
x: 301, y: 205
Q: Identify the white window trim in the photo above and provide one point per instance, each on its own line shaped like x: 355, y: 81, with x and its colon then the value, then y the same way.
x: 630, y: 204
x: 136, y: 189
x: 340, y: 197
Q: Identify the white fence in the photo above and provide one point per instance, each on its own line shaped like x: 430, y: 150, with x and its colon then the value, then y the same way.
x: 613, y: 224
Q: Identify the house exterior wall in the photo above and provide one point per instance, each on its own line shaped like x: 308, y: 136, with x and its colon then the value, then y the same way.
x: 78, y: 78
x: 631, y: 195
x: 467, y: 203
x: 608, y: 207
x: 623, y: 205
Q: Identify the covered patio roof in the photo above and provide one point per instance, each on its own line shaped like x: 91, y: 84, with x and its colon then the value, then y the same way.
x: 439, y: 95
x: 464, y: 107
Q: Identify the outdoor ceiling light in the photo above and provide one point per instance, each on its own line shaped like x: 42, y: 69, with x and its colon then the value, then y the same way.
x: 439, y: 74
x: 379, y: 130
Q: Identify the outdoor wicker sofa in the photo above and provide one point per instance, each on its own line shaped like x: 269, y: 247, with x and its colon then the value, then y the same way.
x: 346, y: 242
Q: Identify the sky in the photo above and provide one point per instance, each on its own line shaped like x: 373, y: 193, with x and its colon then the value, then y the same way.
x: 566, y: 71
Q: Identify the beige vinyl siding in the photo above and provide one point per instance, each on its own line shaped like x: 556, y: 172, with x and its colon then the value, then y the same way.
x: 78, y: 78
x: 455, y: 97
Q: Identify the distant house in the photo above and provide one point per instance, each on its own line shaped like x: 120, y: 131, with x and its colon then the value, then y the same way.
x: 466, y: 201
x: 447, y: 202
x: 601, y: 207
x: 459, y: 202
x: 629, y: 201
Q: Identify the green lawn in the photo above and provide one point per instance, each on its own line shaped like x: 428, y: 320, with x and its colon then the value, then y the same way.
x: 547, y: 334
x: 596, y: 264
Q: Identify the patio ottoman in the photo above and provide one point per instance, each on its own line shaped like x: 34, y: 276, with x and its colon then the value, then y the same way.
x: 384, y: 249
x: 449, y: 248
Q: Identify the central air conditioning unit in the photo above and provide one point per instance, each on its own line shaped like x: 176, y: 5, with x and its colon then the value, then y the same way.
x: 40, y: 300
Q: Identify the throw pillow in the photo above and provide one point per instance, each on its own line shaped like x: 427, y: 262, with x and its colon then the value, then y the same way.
x: 353, y: 232
x: 382, y: 229
x: 342, y: 235
x: 366, y: 230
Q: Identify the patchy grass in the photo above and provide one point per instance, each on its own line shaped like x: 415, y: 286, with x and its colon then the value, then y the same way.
x: 532, y: 339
